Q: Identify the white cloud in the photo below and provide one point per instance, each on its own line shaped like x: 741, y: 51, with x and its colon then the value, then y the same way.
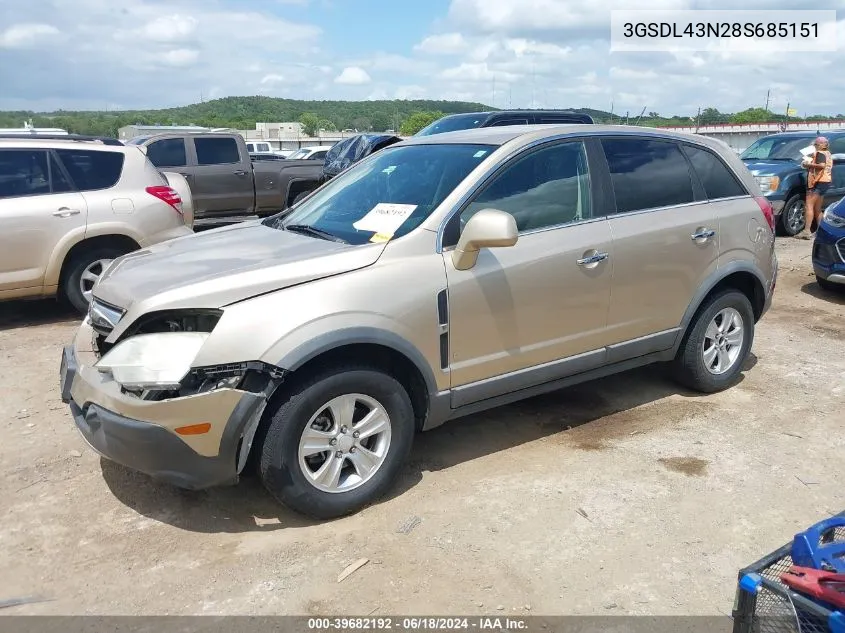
x: 410, y: 92
x: 353, y: 76
x: 180, y: 57
x: 272, y: 78
x: 443, y: 44
x: 169, y: 28
x: 22, y: 35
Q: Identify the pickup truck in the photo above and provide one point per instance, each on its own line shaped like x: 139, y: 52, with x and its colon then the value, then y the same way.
x: 775, y: 162
x: 226, y: 185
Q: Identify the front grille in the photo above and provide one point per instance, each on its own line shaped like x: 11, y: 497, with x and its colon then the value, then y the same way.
x: 840, y: 246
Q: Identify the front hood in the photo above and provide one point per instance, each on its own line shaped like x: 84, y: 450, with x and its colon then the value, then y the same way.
x: 759, y: 167
x: 218, y: 267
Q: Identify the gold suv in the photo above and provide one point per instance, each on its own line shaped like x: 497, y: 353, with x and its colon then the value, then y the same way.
x: 439, y: 277
x: 68, y: 207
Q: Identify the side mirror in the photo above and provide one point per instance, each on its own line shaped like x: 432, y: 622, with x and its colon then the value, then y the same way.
x: 489, y: 228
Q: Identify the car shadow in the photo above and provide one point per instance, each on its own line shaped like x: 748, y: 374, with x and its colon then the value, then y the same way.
x: 16, y: 314
x: 815, y: 290
x: 247, y: 507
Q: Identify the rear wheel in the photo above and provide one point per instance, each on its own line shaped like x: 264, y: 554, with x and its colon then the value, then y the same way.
x: 83, y: 272
x: 717, y: 343
x: 792, y: 217
x: 338, y: 442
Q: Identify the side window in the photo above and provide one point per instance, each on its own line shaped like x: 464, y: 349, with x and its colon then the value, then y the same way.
x: 250, y: 147
x: 506, y: 122
x: 837, y: 145
x: 647, y: 174
x: 216, y: 151
x: 57, y: 176
x: 23, y: 173
x: 169, y: 152
x: 92, y: 169
x: 548, y: 187
x: 318, y: 155
x: 717, y: 179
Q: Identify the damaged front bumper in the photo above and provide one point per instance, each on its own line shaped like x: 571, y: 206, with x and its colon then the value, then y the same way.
x: 141, y: 434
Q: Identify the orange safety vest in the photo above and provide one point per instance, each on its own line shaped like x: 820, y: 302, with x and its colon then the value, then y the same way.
x: 824, y: 174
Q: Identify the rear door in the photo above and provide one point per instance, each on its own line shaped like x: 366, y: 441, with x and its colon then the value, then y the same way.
x: 665, y: 241
x: 38, y: 207
x: 221, y: 179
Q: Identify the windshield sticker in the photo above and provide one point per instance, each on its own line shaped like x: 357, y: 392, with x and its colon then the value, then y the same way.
x: 385, y: 218
x: 810, y: 149
x: 380, y: 237
x: 479, y: 153
x: 388, y: 170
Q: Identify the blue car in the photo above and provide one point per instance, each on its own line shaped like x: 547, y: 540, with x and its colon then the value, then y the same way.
x: 829, y: 248
x: 775, y: 162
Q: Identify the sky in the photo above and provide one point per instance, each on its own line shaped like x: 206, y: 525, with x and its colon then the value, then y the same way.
x: 138, y: 54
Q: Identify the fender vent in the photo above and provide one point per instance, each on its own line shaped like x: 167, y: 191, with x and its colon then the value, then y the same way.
x: 443, y: 322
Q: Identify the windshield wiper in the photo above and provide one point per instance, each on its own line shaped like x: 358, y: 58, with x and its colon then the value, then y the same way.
x: 305, y: 229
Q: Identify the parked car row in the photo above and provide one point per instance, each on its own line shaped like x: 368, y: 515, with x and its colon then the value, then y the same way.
x: 436, y: 277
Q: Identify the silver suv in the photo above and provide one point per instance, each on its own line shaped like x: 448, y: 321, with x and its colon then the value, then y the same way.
x: 68, y: 207
x: 439, y: 277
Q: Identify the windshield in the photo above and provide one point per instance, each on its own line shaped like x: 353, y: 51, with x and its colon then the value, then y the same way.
x: 454, y: 123
x: 778, y: 147
x: 385, y: 196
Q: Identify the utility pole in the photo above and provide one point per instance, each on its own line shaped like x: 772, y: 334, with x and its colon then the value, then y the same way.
x: 768, y: 92
x: 626, y: 117
x: 494, y: 91
x: 637, y: 122
x: 611, y: 111
x: 698, y: 120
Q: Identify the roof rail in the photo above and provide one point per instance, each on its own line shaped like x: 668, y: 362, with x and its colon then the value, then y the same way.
x: 62, y: 137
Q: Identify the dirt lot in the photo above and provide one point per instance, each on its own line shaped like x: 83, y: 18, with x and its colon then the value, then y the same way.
x: 626, y: 495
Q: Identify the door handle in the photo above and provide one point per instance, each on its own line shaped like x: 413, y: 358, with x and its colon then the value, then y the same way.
x: 592, y: 259
x: 702, y: 235
x: 240, y: 172
x: 64, y: 212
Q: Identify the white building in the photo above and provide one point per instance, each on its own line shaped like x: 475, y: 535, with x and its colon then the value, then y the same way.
x: 741, y: 135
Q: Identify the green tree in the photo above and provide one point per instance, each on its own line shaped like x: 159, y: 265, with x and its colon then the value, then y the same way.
x: 418, y: 120
x: 326, y: 125
x: 753, y: 115
x: 310, y: 123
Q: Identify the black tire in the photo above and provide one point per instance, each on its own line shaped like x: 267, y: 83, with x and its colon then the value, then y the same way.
x: 789, y: 208
x: 279, y: 466
x: 829, y: 286
x: 70, y: 287
x: 299, y: 197
x: 689, y: 365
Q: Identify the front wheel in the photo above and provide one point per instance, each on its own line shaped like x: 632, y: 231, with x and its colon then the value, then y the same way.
x: 338, y: 442
x: 792, y: 217
x: 717, y: 343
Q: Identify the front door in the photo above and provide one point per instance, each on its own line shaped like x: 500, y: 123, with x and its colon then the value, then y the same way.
x: 37, y: 210
x: 544, y: 299
x: 837, y: 183
x: 221, y: 179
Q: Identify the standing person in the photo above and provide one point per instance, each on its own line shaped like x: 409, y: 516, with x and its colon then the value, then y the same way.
x: 818, y: 182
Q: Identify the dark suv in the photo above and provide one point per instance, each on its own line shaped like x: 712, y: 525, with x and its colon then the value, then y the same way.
x: 455, y: 122
x: 775, y: 162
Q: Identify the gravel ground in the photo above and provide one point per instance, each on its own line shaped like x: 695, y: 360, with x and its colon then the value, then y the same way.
x: 622, y: 496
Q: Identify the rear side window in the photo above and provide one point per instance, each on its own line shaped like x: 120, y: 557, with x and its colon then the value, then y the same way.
x: 506, y: 122
x: 837, y: 145
x: 169, y: 152
x: 217, y: 151
x: 718, y: 181
x: 23, y: 173
x: 90, y: 169
x: 647, y: 174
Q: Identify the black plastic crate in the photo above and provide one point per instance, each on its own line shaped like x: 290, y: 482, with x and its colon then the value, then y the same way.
x: 776, y: 608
